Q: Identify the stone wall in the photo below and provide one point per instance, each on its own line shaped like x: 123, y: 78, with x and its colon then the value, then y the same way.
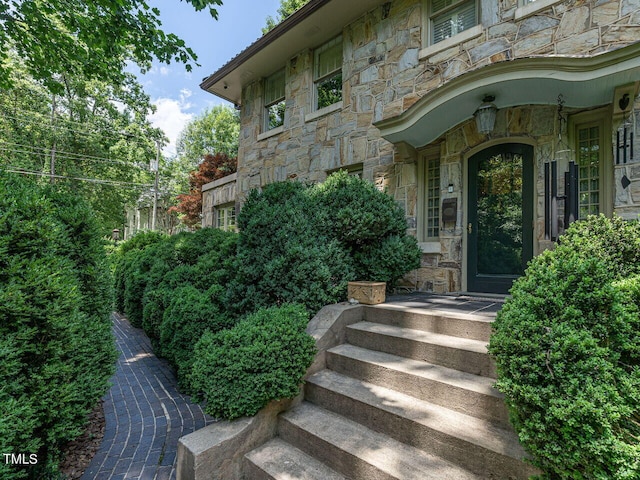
x: 217, y: 193
x: 627, y: 199
x: 388, y: 67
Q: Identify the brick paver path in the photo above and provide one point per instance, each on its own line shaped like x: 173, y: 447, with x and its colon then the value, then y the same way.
x: 144, y: 412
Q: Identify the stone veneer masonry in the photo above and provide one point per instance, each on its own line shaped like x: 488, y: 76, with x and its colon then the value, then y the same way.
x: 387, y: 69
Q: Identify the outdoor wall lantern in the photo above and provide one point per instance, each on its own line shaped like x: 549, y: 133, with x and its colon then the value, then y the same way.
x: 485, y: 115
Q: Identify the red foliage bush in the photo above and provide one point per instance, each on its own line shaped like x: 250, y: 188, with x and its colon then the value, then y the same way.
x: 212, y: 168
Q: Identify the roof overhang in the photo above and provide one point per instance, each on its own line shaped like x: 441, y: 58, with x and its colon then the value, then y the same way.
x: 309, y: 27
x: 583, y: 82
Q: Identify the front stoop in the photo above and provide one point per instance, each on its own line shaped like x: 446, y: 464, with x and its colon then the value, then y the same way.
x: 408, y: 396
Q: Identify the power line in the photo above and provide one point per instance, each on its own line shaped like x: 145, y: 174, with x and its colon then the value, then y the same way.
x: 30, y: 149
x: 81, y: 179
x: 58, y: 126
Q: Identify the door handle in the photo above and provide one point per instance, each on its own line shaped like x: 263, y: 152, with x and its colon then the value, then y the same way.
x: 470, y: 228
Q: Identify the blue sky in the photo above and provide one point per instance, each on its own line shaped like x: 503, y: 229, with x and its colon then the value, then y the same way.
x: 176, y: 92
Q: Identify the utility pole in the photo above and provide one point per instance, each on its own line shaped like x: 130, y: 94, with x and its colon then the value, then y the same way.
x: 155, y: 167
x: 53, y: 146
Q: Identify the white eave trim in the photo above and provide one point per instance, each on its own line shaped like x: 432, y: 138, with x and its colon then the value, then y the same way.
x: 583, y: 81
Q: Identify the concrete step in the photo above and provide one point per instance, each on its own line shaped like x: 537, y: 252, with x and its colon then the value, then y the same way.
x: 358, y: 452
x: 476, y: 326
x: 278, y: 460
x: 462, y: 354
x: 463, y: 392
x: 477, y: 445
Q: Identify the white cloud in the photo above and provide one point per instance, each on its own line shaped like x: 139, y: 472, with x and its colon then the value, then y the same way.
x: 171, y: 117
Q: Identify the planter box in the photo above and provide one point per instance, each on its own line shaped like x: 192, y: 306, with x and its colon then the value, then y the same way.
x: 367, y: 293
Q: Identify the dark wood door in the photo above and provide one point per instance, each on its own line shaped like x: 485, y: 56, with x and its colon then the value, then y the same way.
x: 500, y: 217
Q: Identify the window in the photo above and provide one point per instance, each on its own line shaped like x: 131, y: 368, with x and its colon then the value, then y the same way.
x: 588, y: 159
x: 450, y: 17
x: 226, y: 218
x: 356, y: 170
x: 327, y: 73
x: 274, y: 103
x: 432, y: 198
x: 591, y: 143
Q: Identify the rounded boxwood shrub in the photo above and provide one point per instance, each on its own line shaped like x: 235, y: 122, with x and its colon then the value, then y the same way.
x: 567, y: 347
x: 303, y: 243
x: 264, y: 357
x: 55, y: 330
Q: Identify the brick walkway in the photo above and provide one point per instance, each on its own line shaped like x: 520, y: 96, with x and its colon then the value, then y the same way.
x: 144, y: 412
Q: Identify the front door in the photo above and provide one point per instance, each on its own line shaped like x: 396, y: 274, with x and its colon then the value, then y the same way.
x: 500, y: 217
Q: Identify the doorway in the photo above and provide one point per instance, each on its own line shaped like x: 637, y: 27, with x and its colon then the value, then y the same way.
x: 500, y: 217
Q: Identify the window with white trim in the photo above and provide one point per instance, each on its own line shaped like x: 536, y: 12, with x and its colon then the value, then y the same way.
x: 432, y: 198
x: 226, y: 218
x: 447, y: 18
x: 593, y: 156
x: 327, y: 73
x: 274, y: 101
x: 588, y: 159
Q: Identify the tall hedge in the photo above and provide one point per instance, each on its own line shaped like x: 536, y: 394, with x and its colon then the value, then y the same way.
x: 303, y: 243
x: 55, y: 331
x: 173, y: 287
x: 567, y: 346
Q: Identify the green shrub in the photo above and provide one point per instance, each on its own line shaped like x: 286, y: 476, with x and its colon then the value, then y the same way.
x: 121, y: 262
x: 355, y: 211
x: 264, y: 357
x: 173, y: 289
x: 567, y: 346
x: 57, y: 350
x: 388, y: 260
x: 188, y: 316
x: 302, y: 243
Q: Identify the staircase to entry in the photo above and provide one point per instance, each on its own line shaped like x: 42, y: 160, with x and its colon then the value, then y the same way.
x: 408, y: 396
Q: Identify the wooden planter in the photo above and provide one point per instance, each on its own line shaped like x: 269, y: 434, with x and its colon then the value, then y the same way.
x: 368, y: 293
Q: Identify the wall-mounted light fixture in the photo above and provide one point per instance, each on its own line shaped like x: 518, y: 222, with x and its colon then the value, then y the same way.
x: 485, y: 115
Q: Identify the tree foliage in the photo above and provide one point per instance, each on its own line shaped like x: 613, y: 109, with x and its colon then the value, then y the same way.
x: 90, y: 39
x: 287, y: 7
x: 215, y: 130
x: 88, y: 131
x: 212, y: 168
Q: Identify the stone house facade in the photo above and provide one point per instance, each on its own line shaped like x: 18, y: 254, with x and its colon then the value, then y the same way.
x: 397, y: 92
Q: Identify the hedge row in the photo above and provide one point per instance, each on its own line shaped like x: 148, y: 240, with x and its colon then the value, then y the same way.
x: 229, y: 310
x: 55, y: 330
x: 567, y: 346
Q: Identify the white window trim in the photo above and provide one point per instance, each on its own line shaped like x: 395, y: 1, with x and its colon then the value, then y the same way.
x: 309, y: 117
x: 533, y: 7
x: 430, y: 247
x: 271, y: 133
x: 265, y: 108
x: 226, y: 227
x: 457, y: 39
x: 602, y: 116
x: 329, y: 108
x: 427, y: 244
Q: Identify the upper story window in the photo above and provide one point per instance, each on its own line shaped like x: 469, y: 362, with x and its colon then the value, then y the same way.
x: 450, y: 17
x: 327, y: 73
x: 274, y: 102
